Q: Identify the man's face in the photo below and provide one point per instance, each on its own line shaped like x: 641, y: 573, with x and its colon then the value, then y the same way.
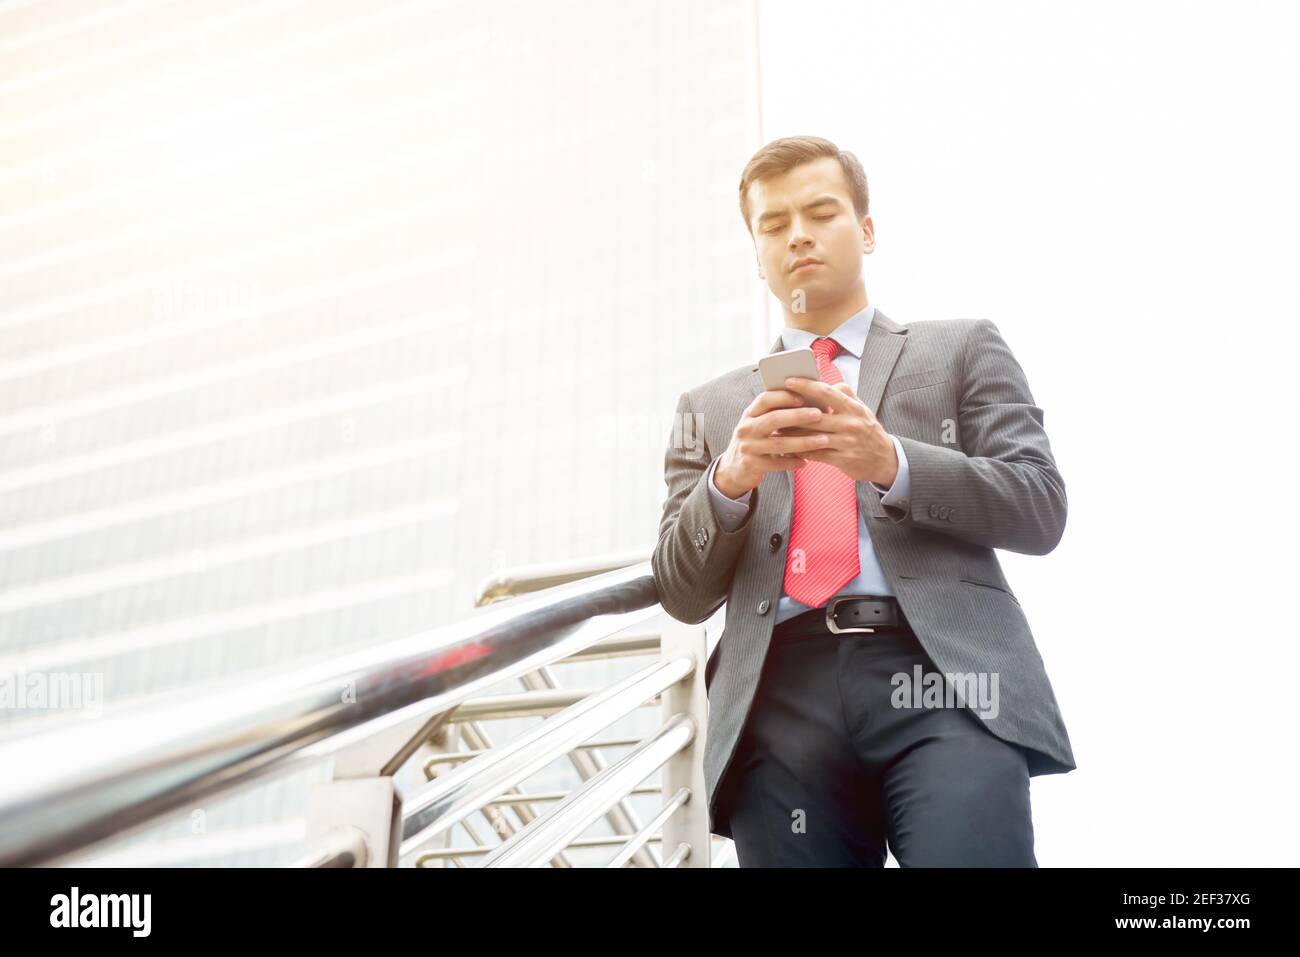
x: 805, y: 213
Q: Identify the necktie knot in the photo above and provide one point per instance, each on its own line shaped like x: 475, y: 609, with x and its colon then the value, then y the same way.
x: 826, y: 348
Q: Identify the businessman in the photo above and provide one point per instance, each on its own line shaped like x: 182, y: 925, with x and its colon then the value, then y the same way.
x: 856, y: 558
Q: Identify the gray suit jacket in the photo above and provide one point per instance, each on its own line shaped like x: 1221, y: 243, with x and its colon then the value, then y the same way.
x: 982, y: 477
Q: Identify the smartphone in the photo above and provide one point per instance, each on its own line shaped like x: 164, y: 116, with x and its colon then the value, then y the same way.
x: 777, y: 367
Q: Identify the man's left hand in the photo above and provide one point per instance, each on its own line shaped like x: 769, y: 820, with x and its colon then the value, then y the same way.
x: 859, y: 446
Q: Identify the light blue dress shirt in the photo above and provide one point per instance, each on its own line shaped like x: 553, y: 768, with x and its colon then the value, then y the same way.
x: 871, y: 580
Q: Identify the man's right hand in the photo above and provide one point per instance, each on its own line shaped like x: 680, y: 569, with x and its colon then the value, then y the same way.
x: 754, y: 450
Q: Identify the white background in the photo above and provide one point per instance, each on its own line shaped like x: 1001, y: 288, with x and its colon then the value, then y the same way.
x: 1114, y: 185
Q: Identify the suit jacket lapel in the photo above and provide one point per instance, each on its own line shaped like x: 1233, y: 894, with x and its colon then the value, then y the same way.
x: 885, y: 339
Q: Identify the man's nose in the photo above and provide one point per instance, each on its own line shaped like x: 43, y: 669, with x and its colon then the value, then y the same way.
x: 799, y: 235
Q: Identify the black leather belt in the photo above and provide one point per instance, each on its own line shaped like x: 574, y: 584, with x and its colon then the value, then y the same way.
x: 846, y: 615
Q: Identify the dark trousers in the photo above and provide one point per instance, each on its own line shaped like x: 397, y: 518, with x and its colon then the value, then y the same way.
x: 828, y: 770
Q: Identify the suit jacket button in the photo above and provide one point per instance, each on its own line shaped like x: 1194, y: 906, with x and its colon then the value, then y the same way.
x: 763, y: 606
x: 943, y: 512
x: 775, y: 541
x: 934, y: 511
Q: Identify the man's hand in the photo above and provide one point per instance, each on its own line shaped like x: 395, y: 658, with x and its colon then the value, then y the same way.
x: 754, y: 450
x: 859, y: 446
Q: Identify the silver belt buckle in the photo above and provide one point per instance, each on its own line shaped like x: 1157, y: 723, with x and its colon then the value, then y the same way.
x: 830, y: 619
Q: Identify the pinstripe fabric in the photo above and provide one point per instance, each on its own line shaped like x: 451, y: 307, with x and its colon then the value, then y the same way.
x: 982, y: 477
x: 823, y: 551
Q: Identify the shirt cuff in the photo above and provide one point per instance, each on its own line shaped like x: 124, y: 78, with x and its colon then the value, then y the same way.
x: 730, y: 512
x: 897, y: 493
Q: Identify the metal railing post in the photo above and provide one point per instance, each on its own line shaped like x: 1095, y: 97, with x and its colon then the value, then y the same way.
x: 690, y: 824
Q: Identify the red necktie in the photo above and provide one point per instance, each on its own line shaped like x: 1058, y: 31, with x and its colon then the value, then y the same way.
x: 823, y: 553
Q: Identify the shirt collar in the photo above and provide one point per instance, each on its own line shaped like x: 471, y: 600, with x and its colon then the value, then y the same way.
x: 851, y: 334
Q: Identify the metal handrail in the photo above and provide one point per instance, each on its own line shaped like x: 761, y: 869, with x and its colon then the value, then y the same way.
x: 530, y: 578
x: 74, y: 786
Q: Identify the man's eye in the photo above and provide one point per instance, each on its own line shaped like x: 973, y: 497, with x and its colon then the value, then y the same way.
x: 824, y: 218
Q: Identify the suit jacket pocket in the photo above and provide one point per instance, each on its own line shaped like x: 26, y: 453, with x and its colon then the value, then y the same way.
x: 990, y: 585
x: 915, y: 380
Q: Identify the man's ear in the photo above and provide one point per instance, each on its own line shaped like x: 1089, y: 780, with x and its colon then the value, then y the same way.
x: 868, y: 234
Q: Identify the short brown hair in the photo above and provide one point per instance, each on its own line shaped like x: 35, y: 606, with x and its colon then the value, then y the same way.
x: 780, y: 156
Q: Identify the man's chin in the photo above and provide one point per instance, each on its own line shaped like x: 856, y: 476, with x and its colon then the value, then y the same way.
x: 815, y: 295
